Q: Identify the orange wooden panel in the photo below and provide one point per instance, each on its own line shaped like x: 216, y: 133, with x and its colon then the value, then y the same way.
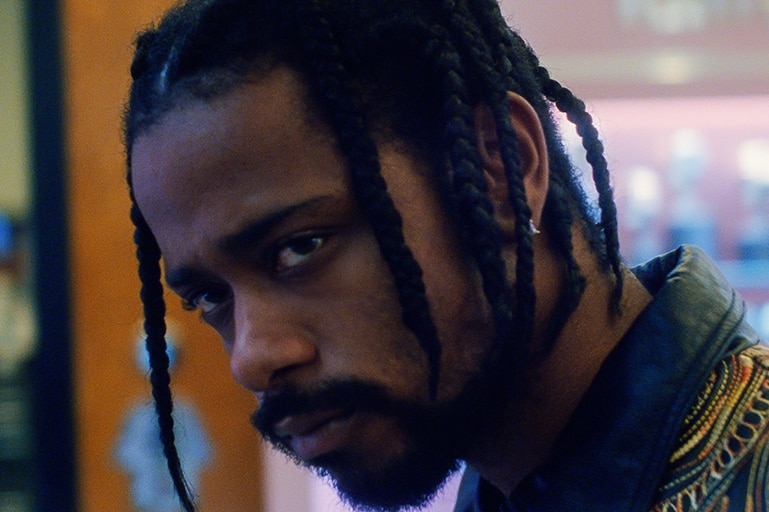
x: 97, y: 44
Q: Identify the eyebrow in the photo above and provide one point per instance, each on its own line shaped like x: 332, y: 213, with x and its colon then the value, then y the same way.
x: 245, y: 238
x: 252, y: 233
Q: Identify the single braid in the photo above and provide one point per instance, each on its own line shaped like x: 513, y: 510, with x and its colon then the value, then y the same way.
x: 370, y: 187
x: 575, y: 111
x: 148, y: 255
x: 562, y: 238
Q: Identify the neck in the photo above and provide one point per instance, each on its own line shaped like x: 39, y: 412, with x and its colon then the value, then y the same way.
x: 522, y: 435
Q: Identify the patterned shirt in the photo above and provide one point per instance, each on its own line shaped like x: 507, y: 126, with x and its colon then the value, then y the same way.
x: 721, y: 460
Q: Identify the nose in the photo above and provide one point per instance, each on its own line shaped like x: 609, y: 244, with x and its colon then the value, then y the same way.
x: 269, y: 340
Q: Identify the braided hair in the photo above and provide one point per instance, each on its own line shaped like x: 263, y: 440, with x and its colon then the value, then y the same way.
x: 407, y: 70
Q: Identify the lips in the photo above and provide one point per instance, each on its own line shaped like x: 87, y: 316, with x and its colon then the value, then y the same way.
x: 314, y: 434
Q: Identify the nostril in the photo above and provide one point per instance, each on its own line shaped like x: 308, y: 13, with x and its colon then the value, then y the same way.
x: 280, y: 375
x: 264, y: 358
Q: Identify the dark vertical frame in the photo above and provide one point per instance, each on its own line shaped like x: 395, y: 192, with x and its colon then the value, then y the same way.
x: 55, y: 467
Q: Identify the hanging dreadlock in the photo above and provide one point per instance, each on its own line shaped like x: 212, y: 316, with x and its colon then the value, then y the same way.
x: 410, y: 70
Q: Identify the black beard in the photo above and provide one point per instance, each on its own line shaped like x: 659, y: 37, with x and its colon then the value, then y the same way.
x: 440, y: 434
x: 410, y: 480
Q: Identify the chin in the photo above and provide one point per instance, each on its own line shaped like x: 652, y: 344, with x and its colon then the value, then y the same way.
x: 410, y: 481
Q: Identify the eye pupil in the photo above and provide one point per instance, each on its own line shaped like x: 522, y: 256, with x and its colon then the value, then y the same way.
x: 295, y: 252
x: 206, y: 302
x: 305, y: 247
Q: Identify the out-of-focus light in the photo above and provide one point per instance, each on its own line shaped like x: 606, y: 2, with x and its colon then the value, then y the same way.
x: 753, y: 160
x: 676, y: 17
x: 644, y: 189
x: 682, y: 16
x: 672, y: 68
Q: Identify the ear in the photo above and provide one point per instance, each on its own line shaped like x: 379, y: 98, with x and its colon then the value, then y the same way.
x: 532, y: 150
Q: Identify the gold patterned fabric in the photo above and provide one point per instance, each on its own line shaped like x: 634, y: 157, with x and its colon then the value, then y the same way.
x: 723, y: 450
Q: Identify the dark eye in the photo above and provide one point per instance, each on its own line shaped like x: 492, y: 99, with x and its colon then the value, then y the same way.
x: 296, y: 251
x: 204, y: 301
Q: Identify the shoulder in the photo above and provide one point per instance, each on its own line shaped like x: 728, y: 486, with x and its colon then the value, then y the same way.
x: 720, y: 462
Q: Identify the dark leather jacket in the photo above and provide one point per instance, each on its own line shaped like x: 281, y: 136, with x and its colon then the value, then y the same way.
x: 615, y: 453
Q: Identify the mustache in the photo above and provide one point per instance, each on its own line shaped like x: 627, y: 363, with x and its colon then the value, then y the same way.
x: 349, y: 394
x: 437, y: 423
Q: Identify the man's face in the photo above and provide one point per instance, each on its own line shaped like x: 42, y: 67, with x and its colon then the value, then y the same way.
x: 252, y: 207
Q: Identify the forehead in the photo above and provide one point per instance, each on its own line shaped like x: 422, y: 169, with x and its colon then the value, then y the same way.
x: 214, y: 163
x: 270, y: 107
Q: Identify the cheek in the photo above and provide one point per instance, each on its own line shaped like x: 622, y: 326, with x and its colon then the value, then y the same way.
x: 458, y: 306
x: 360, y: 319
x: 465, y: 327
x: 453, y: 287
